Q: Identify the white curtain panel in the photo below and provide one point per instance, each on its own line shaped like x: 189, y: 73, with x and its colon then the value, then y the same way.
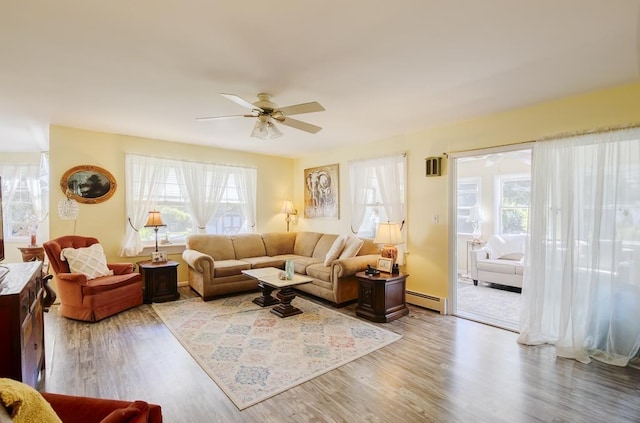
x: 582, y: 270
x: 10, y: 181
x: 247, y: 180
x: 204, y: 185
x: 144, y: 176
x: 359, y: 175
x: 391, y: 172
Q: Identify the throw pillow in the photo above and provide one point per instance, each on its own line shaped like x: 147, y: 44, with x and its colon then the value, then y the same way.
x: 351, y: 248
x: 125, y: 415
x: 25, y: 404
x: 90, y: 261
x: 335, y: 250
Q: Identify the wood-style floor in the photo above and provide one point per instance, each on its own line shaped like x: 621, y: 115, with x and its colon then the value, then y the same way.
x: 444, y: 369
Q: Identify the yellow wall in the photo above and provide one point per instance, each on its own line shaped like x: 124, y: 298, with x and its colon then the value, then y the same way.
x: 427, y: 243
x: 280, y: 178
x: 107, y: 221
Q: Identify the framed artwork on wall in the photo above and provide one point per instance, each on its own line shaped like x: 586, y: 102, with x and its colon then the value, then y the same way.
x: 88, y: 184
x: 321, y: 192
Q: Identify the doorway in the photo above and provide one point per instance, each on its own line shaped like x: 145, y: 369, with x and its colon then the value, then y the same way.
x: 491, y: 188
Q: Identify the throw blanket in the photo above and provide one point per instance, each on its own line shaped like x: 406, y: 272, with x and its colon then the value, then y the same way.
x: 24, y: 404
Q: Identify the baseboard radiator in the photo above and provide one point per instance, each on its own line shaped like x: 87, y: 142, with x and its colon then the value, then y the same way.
x: 427, y: 301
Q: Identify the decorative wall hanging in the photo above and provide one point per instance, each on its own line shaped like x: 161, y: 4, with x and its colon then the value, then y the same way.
x: 88, y: 184
x: 321, y: 196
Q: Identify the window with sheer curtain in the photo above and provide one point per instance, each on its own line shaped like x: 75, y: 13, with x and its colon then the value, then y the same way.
x: 25, y: 198
x: 192, y: 197
x: 378, y: 194
x: 582, y: 271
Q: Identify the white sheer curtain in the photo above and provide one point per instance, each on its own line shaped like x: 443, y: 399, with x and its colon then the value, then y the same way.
x: 38, y: 185
x: 144, y: 176
x: 10, y: 183
x: 205, y: 185
x: 359, y: 175
x: 392, y: 175
x: 246, y: 180
x: 582, y: 277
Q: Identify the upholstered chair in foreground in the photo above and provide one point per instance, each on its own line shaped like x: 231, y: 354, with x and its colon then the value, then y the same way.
x: 90, y: 289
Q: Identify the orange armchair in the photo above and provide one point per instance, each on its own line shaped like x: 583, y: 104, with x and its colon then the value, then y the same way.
x: 91, y: 300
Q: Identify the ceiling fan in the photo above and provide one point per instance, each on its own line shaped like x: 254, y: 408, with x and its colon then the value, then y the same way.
x: 268, y: 113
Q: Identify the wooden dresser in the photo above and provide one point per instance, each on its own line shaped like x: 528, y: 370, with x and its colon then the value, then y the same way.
x: 22, y: 323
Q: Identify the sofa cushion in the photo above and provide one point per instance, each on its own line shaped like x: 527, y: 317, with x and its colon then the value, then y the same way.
x: 498, y: 266
x: 351, y: 248
x: 322, y: 272
x: 248, y: 245
x: 229, y: 267
x: 300, y: 264
x: 264, y: 261
x: 306, y: 243
x: 368, y: 248
x: 26, y: 404
x: 109, y: 283
x: 279, y: 243
x: 499, y: 246
x: 219, y: 247
x: 335, y: 250
x: 323, y: 246
x: 89, y: 261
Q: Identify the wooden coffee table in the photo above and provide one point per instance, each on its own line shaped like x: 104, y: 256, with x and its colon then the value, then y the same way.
x: 268, y: 281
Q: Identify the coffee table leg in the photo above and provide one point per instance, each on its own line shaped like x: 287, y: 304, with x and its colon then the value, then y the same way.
x: 285, y: 309
x: 266, y: 299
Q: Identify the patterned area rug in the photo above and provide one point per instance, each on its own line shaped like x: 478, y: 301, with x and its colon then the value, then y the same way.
x: 253, y: 354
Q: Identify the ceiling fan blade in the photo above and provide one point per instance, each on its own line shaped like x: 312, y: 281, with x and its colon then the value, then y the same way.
x: 222, y: 117
x: 241, y: 101
x: 298, y: 124
x: 298, y: 109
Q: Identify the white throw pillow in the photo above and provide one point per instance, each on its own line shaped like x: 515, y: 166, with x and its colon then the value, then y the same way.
x: 352, y: 247
x: 335, y: 250
x: 90, y: 261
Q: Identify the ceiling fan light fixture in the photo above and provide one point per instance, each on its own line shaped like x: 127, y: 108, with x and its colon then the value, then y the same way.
x: 273, y: 130
x: 260, y: 130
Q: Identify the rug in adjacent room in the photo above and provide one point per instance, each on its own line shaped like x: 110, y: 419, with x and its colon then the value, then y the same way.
x: 253, y: 354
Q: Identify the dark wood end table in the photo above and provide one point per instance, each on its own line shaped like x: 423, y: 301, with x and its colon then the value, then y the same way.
x: 381, y: 298
x: 160, y: 281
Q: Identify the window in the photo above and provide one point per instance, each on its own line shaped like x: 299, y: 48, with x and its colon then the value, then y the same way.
x: 468, y: 197
x: 21, y: 214
x: 514, y: 194
x: 378, y: 193
x: 191, y: 197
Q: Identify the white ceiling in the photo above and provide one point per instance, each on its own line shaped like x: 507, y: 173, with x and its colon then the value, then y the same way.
x: 380, y: 68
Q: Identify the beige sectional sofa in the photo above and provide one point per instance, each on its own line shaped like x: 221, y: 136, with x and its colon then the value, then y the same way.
x: 216, y: 263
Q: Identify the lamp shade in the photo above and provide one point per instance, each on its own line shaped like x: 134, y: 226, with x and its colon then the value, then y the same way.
x: 154, y: 220
x: 287, y: 207
x: 388, y: 234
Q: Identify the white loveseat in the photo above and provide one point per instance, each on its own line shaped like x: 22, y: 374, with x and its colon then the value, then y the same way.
x: 500, y: 261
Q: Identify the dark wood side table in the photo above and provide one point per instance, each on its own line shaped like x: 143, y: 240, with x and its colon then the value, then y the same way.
x: 160, y: 281
x: 381, y: 298
x: 36, y: 253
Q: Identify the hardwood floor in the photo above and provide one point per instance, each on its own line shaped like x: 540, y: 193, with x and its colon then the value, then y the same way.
x: 444, y: 369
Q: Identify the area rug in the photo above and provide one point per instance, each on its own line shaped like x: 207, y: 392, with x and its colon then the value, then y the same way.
x: 498, y: 304
x: 253, y: 354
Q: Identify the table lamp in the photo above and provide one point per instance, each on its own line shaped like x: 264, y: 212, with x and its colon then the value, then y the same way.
x: 389, y: 235
x: 287, y: 207
x: 154, y: 221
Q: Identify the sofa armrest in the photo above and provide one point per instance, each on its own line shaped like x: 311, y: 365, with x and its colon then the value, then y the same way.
x: 474, y: 256
x: 120, y: 268
x: 199, y: 262
x: 77, y: 278
x: 350, y: 266
x: 76, y: 409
